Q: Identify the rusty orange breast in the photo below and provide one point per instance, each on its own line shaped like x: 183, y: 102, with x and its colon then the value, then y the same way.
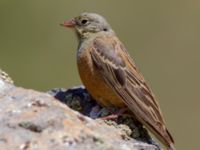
x: 94, y: 82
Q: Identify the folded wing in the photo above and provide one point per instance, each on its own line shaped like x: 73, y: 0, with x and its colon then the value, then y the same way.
x: 120, y: 73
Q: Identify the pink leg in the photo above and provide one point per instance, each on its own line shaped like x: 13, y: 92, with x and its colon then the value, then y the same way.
x: 115, y: 115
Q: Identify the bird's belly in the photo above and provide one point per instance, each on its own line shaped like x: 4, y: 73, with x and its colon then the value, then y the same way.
x: 95, y: 84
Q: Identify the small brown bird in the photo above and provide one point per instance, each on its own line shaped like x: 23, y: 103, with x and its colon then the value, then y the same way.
x: 110, y: 75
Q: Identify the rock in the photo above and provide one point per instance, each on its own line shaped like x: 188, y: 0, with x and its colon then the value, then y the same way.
x: 31, y: 120
x: 5, y: 77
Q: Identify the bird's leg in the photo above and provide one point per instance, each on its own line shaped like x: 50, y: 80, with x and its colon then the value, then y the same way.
x: 115, y: 115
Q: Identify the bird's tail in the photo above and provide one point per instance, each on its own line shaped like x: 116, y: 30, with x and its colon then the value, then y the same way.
x: 171, y: 147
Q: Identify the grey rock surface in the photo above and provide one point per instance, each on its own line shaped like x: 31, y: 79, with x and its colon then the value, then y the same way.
x: 31, y: 120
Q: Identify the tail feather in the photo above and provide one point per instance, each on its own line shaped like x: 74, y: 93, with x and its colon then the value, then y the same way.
x: 170, y: 136
x: 171, y: 147
x: 163, y: 135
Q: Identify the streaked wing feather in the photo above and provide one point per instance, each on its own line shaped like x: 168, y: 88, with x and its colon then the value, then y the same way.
x: 127, y: 82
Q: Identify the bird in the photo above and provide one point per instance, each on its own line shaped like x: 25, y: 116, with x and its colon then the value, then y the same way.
x: 110, y: 75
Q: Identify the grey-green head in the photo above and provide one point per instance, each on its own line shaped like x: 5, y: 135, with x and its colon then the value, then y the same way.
x: 88, y: 23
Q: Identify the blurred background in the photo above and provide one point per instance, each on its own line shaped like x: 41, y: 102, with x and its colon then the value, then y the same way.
x: 162, y: 36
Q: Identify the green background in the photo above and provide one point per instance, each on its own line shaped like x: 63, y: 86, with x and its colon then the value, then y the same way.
x: 162, y: 36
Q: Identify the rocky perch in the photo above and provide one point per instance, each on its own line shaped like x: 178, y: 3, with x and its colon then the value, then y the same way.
x: 64, y: 119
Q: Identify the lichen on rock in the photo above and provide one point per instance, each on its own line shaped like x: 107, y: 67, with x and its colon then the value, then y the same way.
x: 64, y: 119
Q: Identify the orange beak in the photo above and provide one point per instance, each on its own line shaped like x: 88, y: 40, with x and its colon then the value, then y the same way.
x: 69, y: 23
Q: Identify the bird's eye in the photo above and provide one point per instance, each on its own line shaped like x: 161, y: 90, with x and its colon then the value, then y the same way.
x: 84, y: 21
x: 105, y: 29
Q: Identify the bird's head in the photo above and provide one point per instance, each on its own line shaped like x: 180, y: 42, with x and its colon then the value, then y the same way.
x: 87, y: 24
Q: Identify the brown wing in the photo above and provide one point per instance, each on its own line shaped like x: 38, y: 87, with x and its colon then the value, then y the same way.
x: 120, y: 73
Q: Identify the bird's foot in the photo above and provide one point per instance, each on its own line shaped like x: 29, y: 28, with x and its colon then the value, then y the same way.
x: 114, y: 115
